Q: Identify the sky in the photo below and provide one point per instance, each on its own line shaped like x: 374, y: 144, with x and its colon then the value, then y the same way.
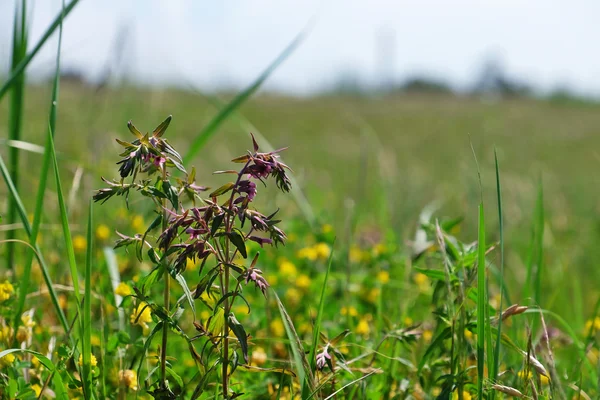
x: 211, y: 44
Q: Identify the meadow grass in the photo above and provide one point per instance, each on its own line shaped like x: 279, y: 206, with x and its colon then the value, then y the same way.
x: 426, y: 294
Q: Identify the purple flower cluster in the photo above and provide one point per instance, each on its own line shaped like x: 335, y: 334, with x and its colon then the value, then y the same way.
x: 323, y: 358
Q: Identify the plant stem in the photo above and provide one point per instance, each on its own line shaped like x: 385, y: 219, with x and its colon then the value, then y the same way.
x: 166, y: 299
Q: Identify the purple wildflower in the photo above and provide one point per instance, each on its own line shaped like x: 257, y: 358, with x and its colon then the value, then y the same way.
x: 322, y: 358
x: 255, y: 275
x: 247, y: 187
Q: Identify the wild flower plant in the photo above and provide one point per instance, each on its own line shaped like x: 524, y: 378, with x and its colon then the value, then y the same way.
x: 210, y: 230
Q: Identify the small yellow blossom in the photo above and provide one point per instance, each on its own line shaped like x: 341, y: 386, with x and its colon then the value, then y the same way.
x: 259, y: 357
x: 27, y: 319
x: 137, y: 223
x: 141, y: 315
x: 93, y: 361
x: 327, y: 228
x: 37, y: 389
x: 191, y: 265
x: 128, y: 379
x: 465, y: 395
x: 363, y: 327
x: 408, y: 321
x: 23, y: 334
x: 277, y: 328
x: 373, y: 295
x: 349, y: 311
x: 427, y: 335
x: 468, y: 334
x: 287, y: 268
x: 323, y: 251
x: 62, y: 301
x: 102, y: 232
x: 293, y: 296
x: 123, y: 289
x: 95, y: 340
x: 592, y: 326
x: 383, y: 277
x: 543, y: 379
x: 379, y: 249
x: 356, y: 254
x: 310, y: 253
x: 7, y: 360
x: 6, y: 333
x: 6, y: 290
x: 303, y: 282
x: 79, y: 244
x: 593, y: 356
x: 420, y: 278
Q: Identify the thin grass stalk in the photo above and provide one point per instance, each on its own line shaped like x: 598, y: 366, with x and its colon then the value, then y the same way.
x: 166, y: 298
x: 209, y: 130
x: 15, y: 117
x: 494, y: 373
x: 87, y: 313
x: 14, y: 75
x: 28, y: 230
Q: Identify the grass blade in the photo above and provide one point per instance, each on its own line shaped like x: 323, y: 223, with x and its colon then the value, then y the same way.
x: 87, y: 313
x: 14, y: 75
x: 15, y: 117
x: 23, y: 215
x: 494, y: 372
x: 39, y: 203
x: 302, y: 367
x: 536, y: 251
x: 210, y: 129
x: 317, y: 327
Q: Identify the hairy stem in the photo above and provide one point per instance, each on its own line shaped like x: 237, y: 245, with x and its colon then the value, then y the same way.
x: 166, y: 299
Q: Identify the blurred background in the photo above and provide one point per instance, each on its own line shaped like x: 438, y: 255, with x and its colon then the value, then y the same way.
x: 378, y: 102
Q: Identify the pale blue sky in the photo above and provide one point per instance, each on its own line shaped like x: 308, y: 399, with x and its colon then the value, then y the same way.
x: 546, y: 42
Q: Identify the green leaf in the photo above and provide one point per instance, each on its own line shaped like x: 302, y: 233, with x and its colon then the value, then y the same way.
x: 216, y: 322
x: 174, y: 375
x: 216, y: 223
x: 238, y: 241
x: 240, y: 334
x: 186, y: 290
x: 222, y: 190
x: 87, y: 313
x: 160, y: 129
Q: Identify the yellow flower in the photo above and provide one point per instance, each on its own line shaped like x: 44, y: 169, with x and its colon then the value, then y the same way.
x: 277, y: 328
x: 128, y: 379
x: 102, y: 232
x: 259, y: 357
x: 62, y: 301
x: 27, y: 320
x: 23, y: 334
x: 349, y: 311
x: 6, y: 290
x: 363, y: 327
x: 6, y: 333
x: 373, y: 295
x: 408, y: 321
x: 79, y: 244
x: 37, y: 389
x: 323, y: 251
x: 468, y: 334
x: 383, y: 277
x: 466, y: 395
x: 544, y: 379
x: 355, y: 254
x: 123, y: 289
x: 310, y: 253
x: 7, y: 360
x: 191, y: 265
x: 287, y: 268
x: 327, y: 228
x: 93, y: 361
x: 293, y: 296
x: 303, y: 282
x: 95, y: 340
x: 141, y: 315
x: 427, y: 335
x: 592, y: 326
x: 422, y: 281
x: 379, y: 249
x: 137, y: 223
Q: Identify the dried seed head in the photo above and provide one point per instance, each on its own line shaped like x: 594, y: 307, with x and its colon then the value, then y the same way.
x: 508, y: 390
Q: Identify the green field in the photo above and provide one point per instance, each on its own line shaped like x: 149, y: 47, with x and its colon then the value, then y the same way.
x: 367, y: 167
